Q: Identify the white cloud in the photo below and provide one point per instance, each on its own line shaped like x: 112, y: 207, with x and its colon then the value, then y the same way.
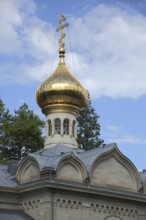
x: 113, y: 47
x: 127, y: 139
x: 9, y: 19
x: 113, y: 128
x: 26, y: 43
x: 109, y: 47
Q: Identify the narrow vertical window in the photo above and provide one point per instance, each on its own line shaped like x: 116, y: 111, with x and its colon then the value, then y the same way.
x: 66, y: 126
x: 57, y: 126
x: 73, y: 128
x: 49, y: 128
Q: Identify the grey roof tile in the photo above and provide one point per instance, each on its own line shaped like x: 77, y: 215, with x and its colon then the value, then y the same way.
x: 51, y: 157
x: 13, y: 215
x: 6, y: 179
x: 88, y: 157
x: 143, y: 175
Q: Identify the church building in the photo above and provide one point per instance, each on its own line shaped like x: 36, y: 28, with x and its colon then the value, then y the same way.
x: 61, y: 181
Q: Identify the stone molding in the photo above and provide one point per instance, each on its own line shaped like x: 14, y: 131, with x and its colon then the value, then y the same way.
x: 30, y: 204
x: 114, y: 210
x: 72, y: 204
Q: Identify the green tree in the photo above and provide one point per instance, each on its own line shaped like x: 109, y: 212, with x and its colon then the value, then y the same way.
x: 23, y: 130
x: 5, y: 123
x: 88, y: 127
x: 26, y: 131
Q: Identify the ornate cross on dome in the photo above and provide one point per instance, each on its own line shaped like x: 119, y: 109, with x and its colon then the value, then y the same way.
x: 62, y: 35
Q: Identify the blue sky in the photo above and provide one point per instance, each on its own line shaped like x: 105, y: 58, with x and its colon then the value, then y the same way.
x: 105, y: 50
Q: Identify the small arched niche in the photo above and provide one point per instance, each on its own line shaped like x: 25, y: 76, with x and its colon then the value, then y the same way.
x: 66, y: 126
x: 57, y: 126
x: 74, y: 128
x: 71, y: 169
x: 28, y: 171
x: 49, y: 127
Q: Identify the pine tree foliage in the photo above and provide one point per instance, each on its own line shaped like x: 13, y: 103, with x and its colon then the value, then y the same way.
x: 88, y: 127
x: 5, y: 123
x: 26, y: 131
x: 23, y: 130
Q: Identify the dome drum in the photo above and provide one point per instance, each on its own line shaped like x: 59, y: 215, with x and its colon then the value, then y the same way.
x: 60, y: 108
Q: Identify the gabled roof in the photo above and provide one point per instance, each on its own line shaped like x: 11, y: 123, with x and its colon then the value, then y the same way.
x: 88, y: 157
x: 51, y: 158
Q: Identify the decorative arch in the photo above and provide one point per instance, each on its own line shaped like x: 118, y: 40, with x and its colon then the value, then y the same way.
x: 113, y: 170
x: 28, y: 170
x: 57, y: 126
x: 72, y: 169
x: 49, y: 127
x: 66, y: 126
x: 73, y: 128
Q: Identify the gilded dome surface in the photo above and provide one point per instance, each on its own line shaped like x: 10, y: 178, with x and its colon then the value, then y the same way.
x: 61, y: 91
x: 61, y: 88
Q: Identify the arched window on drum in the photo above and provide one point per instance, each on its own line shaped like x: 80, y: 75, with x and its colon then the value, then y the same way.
x: 57, y: 126
x: 73, y: 128
x: 49, y: 128
x: 66, y: 126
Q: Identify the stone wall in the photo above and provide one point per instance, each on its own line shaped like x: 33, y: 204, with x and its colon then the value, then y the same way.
x: 69, y: 206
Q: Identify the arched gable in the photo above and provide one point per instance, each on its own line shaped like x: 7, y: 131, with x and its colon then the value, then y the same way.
x: 113, y: 170
x: 28, y: 170
x: 71, y: 169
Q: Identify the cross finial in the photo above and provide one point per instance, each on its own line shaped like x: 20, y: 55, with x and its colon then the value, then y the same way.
x: 62, y: 24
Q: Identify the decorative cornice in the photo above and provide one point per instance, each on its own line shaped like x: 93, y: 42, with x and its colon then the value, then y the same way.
x: 81, y: 188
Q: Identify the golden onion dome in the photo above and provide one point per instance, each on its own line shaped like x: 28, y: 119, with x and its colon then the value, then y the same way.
x: 61, y: 92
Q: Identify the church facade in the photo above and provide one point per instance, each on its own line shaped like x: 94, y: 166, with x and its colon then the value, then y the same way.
x: 63, y: 182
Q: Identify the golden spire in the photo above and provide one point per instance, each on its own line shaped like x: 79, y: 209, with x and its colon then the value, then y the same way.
x: 62, y: 35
